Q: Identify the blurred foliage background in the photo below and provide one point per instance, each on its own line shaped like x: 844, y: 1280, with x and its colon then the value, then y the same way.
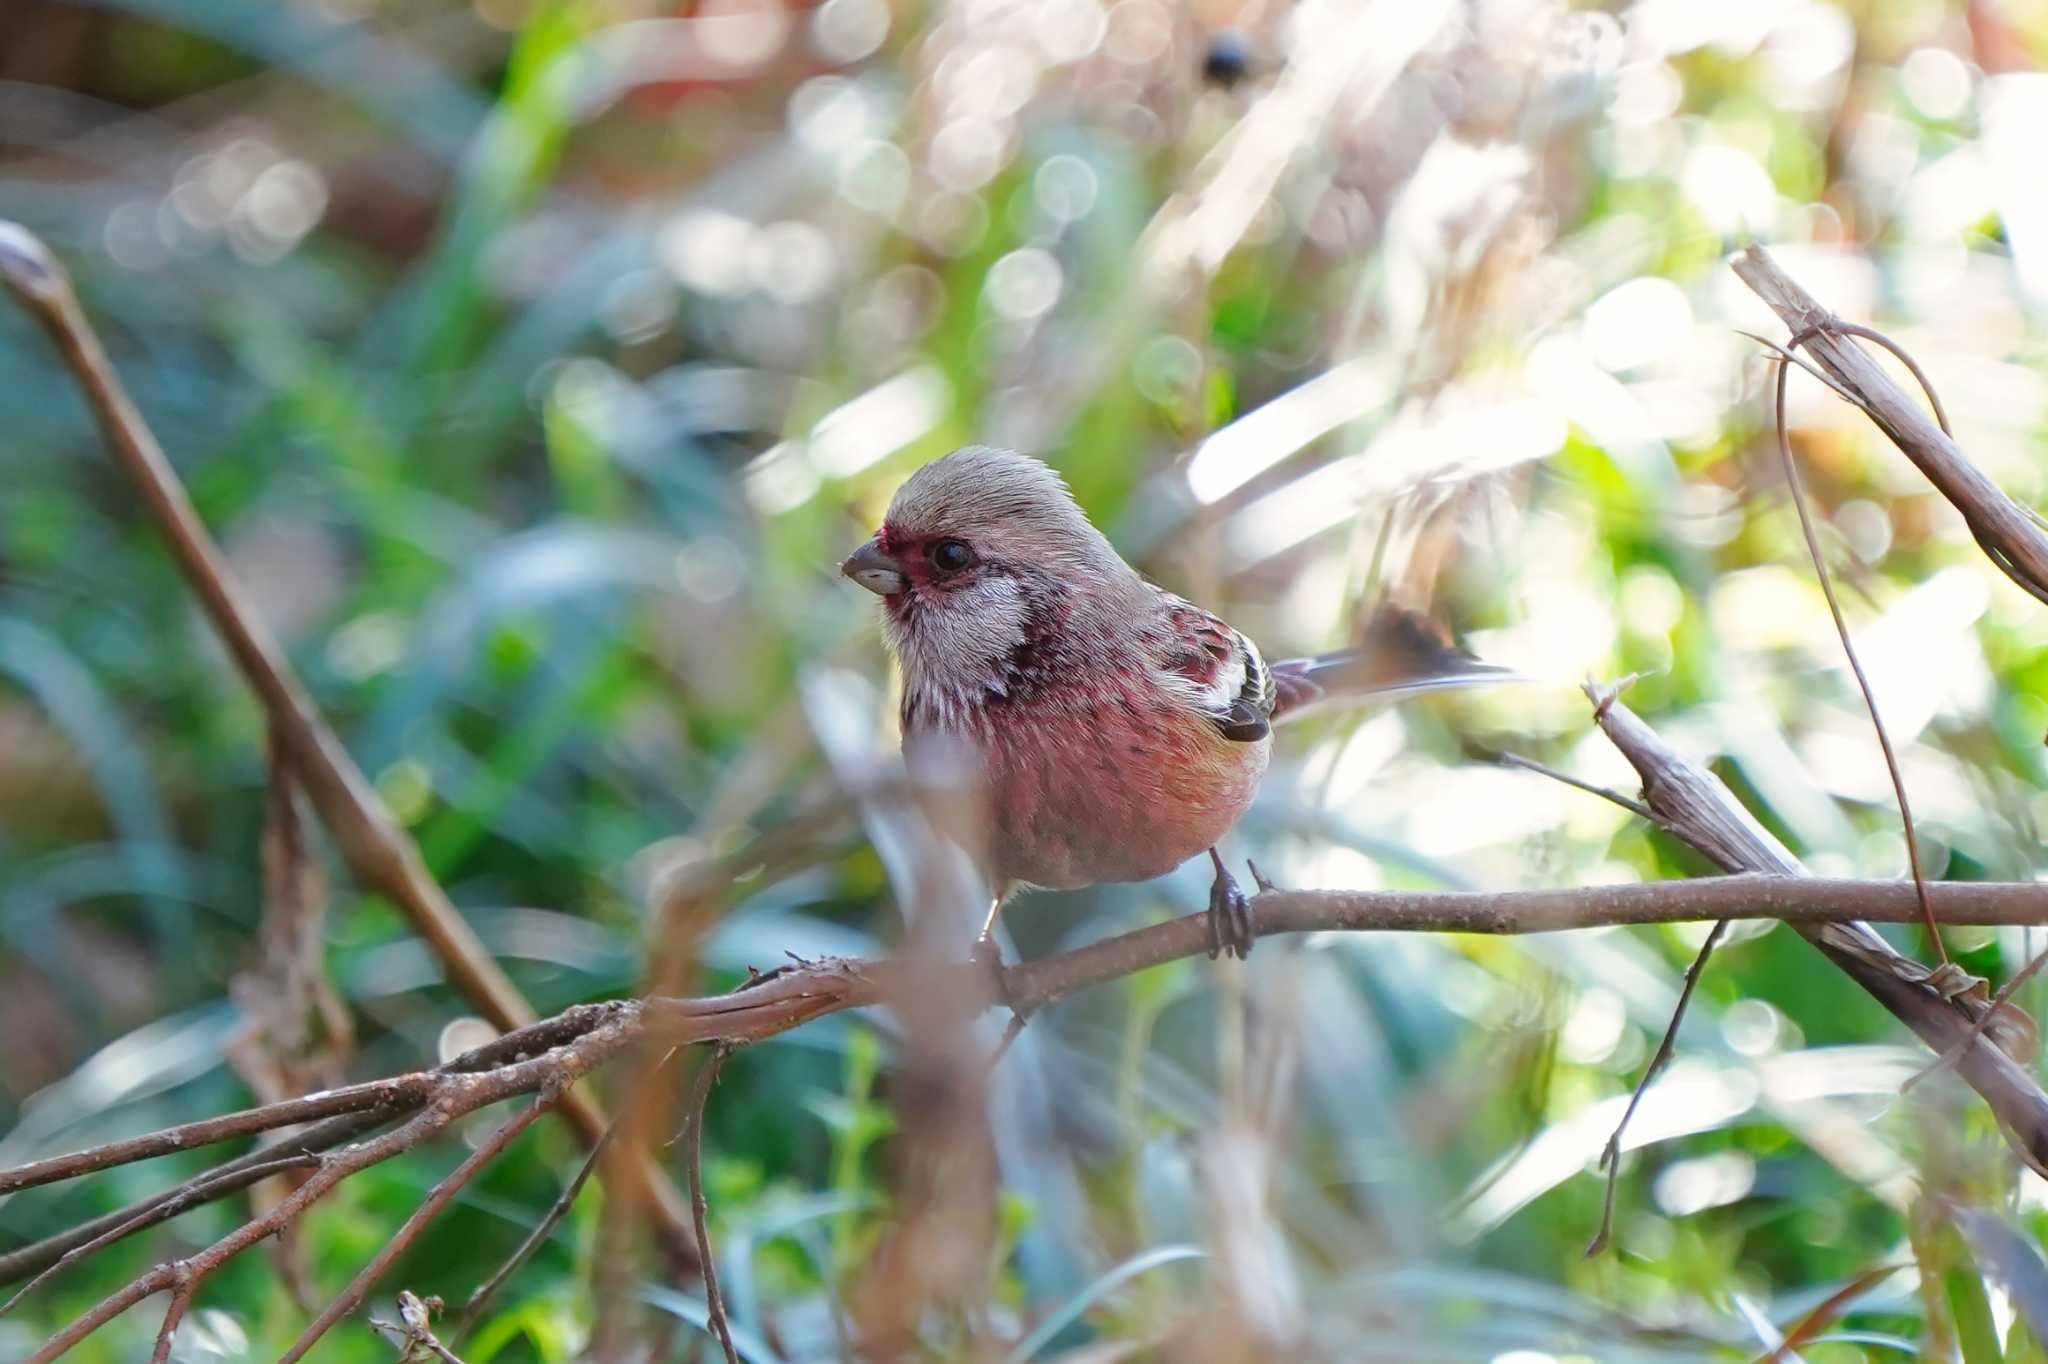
x: 537, y: 359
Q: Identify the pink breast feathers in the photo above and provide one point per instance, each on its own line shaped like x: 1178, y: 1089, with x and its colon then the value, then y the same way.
x: 1119, y: 786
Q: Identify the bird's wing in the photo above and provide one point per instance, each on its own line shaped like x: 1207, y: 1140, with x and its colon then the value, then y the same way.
x: 1401, y: 654
x: 1215, y: 669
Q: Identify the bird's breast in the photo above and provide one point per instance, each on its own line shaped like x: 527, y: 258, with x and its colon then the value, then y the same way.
x: 1119, y: 782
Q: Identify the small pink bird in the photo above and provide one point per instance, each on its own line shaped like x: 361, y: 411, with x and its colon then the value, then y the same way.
x: 1119, y: 730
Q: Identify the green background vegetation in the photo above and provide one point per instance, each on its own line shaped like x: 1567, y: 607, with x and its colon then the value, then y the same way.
x: 537, y: 361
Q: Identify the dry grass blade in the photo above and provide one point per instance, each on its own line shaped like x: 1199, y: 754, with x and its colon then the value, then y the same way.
x: 1825, y: 1312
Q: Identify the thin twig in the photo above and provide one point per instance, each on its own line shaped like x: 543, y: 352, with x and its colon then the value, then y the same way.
x: 437, y: 1199
x: 228, y: 1178
x: 1696, y: 806
x: 693, y: 1162
x: 1607, y: 793
x: 472, y: 1311
x: 196, y: 1268
x: 189, y: 1196
x: 1610, y: 1155
x: 408, y: 1093
x: 174, y: 1316
x: 459, y: 1094
x: 398, y: 1092
x: 1827, y: 588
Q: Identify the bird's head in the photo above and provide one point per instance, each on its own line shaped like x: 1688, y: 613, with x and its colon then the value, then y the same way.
x: 976, y: 546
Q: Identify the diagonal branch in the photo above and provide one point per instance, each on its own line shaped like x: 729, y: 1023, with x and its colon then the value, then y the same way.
x: 457, y: 1094
x: 2008, y: 534
x: 358, y: 1110
x: 1695, y: 806
x: 440, y: 1197
x: 376, y: 849
x: 381, y: 855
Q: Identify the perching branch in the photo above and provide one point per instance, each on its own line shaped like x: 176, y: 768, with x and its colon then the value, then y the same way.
x: 556, y: 1050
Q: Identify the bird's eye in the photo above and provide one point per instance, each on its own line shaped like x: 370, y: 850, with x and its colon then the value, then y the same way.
x: 950, y: 556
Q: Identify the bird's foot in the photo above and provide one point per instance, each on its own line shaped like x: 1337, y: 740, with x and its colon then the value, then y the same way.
x: 989, y: 957
x: 1231, y: 928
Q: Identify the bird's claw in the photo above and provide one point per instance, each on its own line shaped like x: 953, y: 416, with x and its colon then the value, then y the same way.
x: 1231, y: 928
x: 989, y: 957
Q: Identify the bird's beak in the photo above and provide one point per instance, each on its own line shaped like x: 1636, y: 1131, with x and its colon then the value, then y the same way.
x: 872, y: 568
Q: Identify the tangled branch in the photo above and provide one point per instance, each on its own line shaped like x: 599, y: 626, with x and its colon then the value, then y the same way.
x: 546, y: 1057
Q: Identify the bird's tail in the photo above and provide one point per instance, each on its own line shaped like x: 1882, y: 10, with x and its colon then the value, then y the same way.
x: 1402, y: 654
